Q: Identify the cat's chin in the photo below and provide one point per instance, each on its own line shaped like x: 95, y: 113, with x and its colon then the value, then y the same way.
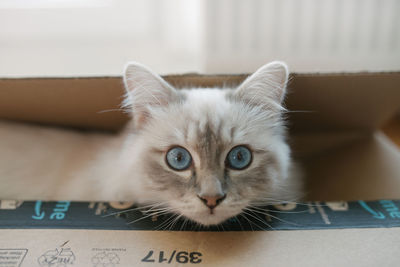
x: 207, y: 219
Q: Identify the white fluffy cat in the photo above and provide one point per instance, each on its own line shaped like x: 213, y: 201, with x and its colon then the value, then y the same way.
x: 204, y: 153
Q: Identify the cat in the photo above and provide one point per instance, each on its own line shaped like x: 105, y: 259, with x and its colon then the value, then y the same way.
x: 205, y: 154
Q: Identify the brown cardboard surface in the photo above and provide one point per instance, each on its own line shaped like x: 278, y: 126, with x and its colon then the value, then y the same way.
x: 331, y: 101
x: 65, y: 102
x: 392, y: 129
x: 365, y: 168
x: 345, y: 247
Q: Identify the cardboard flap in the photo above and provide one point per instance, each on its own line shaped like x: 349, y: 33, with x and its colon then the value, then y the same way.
x: 360, y: 101
x: 364, y: 168
x: 88, y: 103
x: 363, y: 101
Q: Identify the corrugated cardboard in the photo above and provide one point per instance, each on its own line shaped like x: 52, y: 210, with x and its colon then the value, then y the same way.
x: 322, y: 234
x: 334, y: 133
x: 346, y: 247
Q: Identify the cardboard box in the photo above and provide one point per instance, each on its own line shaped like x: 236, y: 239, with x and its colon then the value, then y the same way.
x: 334, y: 130
x: 30, y: 232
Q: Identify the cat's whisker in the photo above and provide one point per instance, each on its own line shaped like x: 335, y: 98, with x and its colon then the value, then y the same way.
x: 161, y: 212
x: 159, y: 227
x: 156, y: 209
x: 170, y: 220
x: 272, y: 201
x: 276, y: 211
x: 183, y: 224
x: 240, y: 224
x: 137, y: 220
x: 272, y: 216
x: 186, y: 222
x: 118, y: 212
x: 250, y: 222
x: 300, y: 111
x: 158, y: 214
x: 258, y: 219
x: 150, y: 215
x: 167, y: 222
x: 282, y: 220
x: 133, y: 209
x: 251, y: 226
x: 175, y: 221
x: 197, y: 226
x: 109, y: 110
x: 194, y: 226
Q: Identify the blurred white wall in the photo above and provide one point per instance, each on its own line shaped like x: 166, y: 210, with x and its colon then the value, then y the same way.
x: 96, y: 37
x: 311, y: 35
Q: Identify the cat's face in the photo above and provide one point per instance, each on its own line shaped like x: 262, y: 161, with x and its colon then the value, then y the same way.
x: 209, y: 153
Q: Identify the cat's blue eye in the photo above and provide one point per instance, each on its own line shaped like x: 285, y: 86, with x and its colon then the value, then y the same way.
x: 178, y: 158
x: 239, y: 158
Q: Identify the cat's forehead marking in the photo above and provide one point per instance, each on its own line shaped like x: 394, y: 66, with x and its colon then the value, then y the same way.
x: 205, y: 139
x: 209, y: 147
x: 207, y: 131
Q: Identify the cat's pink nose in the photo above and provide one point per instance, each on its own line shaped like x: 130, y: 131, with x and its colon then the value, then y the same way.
x: 212, y: 201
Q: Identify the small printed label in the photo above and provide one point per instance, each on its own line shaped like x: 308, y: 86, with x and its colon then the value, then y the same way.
x: 12, y: 257
x: 173, y: 257
x: 57, y: 257
x: 107, y: 257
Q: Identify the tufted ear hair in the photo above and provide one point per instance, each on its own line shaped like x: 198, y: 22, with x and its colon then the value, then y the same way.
x: 266, y: 87
x: 145, y: 90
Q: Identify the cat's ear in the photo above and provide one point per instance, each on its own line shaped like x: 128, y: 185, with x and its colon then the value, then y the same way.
x: 145, y: 90
x: 266, y: 87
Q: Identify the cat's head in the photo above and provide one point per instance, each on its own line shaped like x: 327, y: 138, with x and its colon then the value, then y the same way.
x: 208, y: 153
